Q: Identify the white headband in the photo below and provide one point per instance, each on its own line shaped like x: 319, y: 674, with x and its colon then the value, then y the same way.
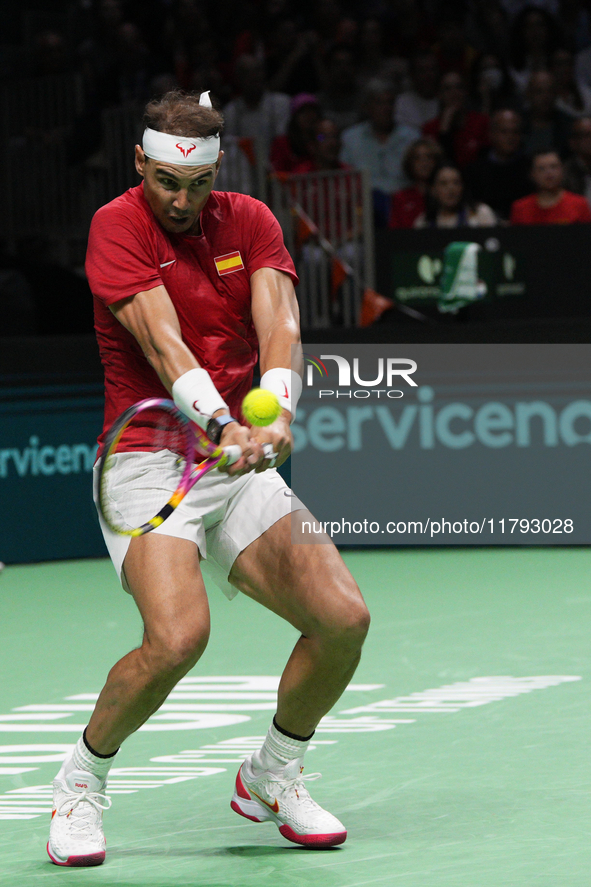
x: 179, y: 150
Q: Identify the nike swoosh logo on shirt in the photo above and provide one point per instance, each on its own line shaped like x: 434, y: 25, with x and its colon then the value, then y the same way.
x: 287, y: 493
x: 164, y: 264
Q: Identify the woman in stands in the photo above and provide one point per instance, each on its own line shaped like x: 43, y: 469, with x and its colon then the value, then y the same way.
x: 419, y: 163
x: 535, y: 35
x: 447, y: 205
x: 291, y: 149
x: 461, y: 132
x: 492, y: 86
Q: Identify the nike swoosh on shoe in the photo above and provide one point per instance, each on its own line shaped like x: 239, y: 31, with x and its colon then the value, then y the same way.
x: 274, y: 807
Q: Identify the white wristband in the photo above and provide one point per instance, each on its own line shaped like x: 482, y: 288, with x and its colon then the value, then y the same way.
x: 286, y: 384
x: 197, y: 397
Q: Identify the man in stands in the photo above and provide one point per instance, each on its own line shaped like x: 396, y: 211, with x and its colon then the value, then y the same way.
x: 551, y: 204
x: 340, y: 97
x: 577, y: 169
x: 546, y: 127
x: 324, y: 149
x: 379, y: 145
x: 501, y: 175
x: 419, y: 104
x: 256, y: 113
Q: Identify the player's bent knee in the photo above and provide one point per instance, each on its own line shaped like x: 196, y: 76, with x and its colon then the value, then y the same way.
x: 347, y: 626
x: 178, y: 651
x: 354, y: 623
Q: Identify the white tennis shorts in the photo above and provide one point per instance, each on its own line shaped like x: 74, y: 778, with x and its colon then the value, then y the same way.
x: 221, y: 514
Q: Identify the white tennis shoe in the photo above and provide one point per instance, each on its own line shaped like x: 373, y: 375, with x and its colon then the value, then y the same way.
x: 282, y: 798
x: 76, y: 833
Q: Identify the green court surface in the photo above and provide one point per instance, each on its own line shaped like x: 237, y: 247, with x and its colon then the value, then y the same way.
x: 460, y: 757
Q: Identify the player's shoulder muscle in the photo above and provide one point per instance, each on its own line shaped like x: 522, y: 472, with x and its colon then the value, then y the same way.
x: 123, y: 212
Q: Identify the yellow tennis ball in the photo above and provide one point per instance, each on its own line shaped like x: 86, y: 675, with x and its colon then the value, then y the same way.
x: 261, y: 407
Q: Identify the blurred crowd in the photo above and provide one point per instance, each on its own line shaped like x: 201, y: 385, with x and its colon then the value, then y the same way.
x: 464, y: 112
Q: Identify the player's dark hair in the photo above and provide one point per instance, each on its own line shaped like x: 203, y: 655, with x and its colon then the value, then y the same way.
x: 179, y: 113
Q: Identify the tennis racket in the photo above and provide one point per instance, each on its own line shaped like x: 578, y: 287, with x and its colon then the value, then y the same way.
x: 154, y: 426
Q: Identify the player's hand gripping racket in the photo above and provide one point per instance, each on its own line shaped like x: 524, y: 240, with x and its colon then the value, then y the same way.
x: 156, y: 425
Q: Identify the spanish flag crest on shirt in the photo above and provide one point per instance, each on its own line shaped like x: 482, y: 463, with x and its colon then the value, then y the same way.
x: 229, y: 263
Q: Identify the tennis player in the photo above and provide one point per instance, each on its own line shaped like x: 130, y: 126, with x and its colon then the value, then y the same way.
x: 190, y: 285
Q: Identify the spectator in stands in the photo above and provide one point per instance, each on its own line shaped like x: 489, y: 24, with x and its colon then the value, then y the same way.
x: 378, y: 145
x: 577, y: 169
x: 183, y: 32
x: 583, y: 66
x: 134, y: 68
x: 492, y: 86
x: 324, y: 148
x: 420, y: 161
x: 292, y: 60
x: 293, y: 148
x: 576, y: 24
x: 419, y: 104
x: 331, y: 202
x: 207, y: 71
x: 551, y: 204
x: 534, y: 37
x: 51, y: 54
x: 452, y: 50
x: 372, y: 59
x: 461, y: 133
x: 98, y: 53
x: 487, y: 28
x: 340, y: 98
x: 257, y: 113
x: 327, y: 16
x: 546, y: 128
x: 501, y: 175
x: 447, y: 205
x: 573, y: 97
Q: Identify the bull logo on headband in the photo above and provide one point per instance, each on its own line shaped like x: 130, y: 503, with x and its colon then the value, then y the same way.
x: 185, y: 147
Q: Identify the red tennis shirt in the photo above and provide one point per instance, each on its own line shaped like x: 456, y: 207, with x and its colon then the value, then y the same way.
x: 207, y: 278
x: 569, y: 209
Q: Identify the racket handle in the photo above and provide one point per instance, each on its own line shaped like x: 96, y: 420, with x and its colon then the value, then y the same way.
x: 233, y: 453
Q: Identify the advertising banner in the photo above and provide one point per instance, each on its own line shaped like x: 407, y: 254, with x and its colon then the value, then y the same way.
x: 445, y: 444
x: 47, y: 450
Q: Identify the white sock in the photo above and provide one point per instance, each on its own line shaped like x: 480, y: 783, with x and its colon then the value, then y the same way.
x: 278, y: 750
x: 83, y: 759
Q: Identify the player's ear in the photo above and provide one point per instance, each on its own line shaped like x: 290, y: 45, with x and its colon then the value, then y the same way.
x: 140, y: 160
x: 218, y: 162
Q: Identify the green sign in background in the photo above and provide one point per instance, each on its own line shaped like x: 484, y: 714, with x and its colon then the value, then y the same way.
x: 416, y: 275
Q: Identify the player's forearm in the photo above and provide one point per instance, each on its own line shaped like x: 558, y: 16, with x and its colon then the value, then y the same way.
x: 169, y: 357
x: 276, y: 319
x: 281, y: 347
